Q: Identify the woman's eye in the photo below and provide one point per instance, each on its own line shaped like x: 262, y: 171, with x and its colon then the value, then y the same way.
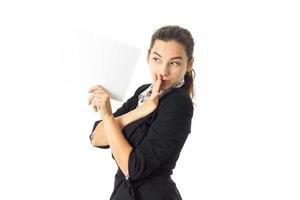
x: 175, y: 63
x: 156, y: 59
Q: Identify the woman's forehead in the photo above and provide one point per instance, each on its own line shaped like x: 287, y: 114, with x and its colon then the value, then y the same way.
x: 168, y: 49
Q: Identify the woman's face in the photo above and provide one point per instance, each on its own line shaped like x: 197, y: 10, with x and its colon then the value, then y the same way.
x: 169, y: 60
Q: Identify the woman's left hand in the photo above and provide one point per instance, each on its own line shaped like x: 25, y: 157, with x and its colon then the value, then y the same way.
x: 152, y: 102
x: 100, y: 100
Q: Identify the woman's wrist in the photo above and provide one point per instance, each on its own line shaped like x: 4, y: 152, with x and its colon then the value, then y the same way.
x: 106, y: 117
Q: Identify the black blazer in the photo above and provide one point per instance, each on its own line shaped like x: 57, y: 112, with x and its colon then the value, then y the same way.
x: 157, y: 140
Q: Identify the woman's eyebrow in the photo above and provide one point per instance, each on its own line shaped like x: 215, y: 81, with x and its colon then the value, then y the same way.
x: 157, y: 53
x: 177, y: 57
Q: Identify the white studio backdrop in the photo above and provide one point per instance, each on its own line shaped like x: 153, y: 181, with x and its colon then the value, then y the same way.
x: 245, y: 134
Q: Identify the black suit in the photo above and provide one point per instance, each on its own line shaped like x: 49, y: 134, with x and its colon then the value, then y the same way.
x: 157, y: 140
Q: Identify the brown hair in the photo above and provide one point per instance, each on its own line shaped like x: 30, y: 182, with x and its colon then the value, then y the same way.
x: 184, y: 37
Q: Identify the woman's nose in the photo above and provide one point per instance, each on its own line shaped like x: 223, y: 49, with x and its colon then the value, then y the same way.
x: 164, y: 70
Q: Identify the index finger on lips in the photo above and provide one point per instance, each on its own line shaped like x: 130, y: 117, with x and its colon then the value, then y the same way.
x: 157, y: 84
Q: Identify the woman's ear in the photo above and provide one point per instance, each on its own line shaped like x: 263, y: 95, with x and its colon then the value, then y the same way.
x: 190, y: 64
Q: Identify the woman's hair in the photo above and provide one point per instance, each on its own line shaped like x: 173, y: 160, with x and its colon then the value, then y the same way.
x: 184, y: 37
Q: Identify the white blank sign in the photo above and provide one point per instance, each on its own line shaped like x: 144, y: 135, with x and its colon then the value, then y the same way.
x: 99, y: 60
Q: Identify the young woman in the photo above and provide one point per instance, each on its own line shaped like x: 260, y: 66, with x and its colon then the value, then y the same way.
x: 146, y: 134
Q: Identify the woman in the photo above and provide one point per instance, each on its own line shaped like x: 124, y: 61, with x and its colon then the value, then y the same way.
x: 147, y: 133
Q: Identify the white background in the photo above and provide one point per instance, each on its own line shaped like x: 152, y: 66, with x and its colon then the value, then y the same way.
x: 245, y: 134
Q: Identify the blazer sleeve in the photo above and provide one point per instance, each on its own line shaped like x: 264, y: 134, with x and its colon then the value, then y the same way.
x: 165, y: 138
x: 126, y: 107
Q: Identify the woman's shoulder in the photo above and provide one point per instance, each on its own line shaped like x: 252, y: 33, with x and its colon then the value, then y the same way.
x: 177, y: 99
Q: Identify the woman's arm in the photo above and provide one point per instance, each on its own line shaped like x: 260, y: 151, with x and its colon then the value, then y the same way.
x: 119, y: 146
x: 99, y: 137
x: 115, y: 139
x: 112, y: 128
